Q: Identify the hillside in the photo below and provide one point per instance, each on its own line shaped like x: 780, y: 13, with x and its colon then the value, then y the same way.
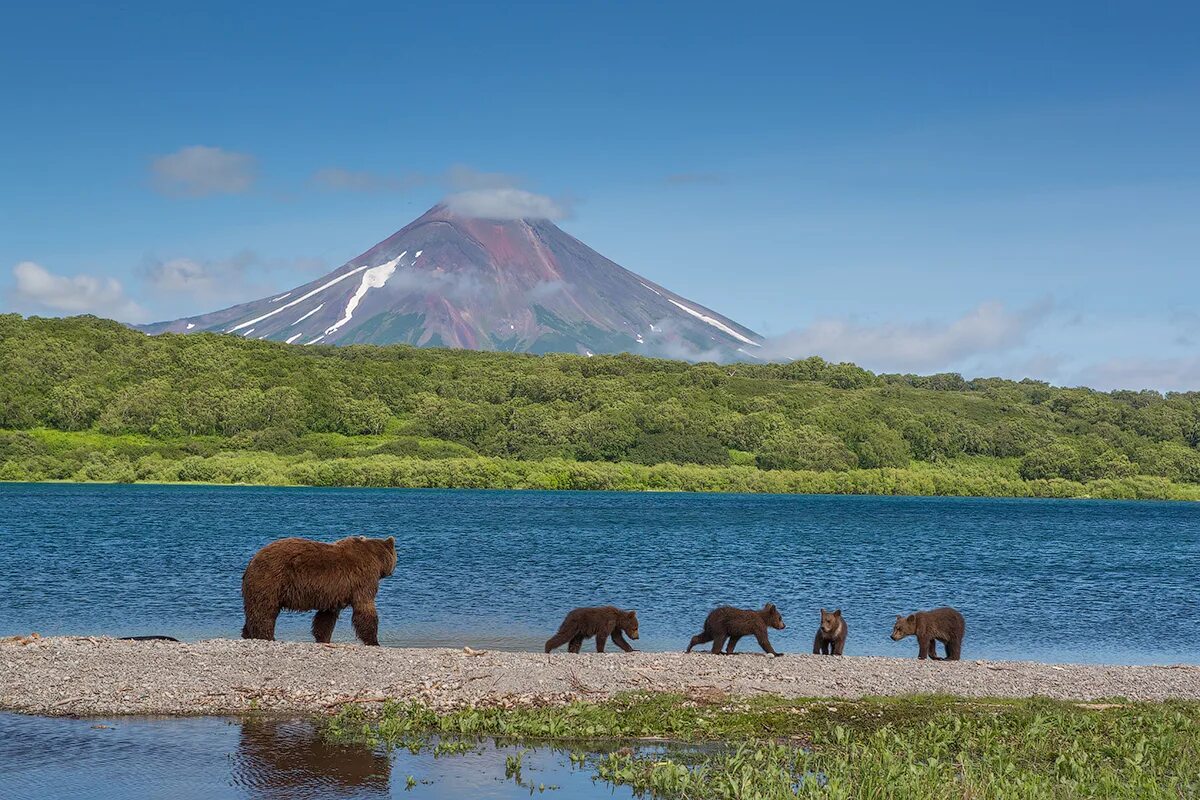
x: 88, y: 399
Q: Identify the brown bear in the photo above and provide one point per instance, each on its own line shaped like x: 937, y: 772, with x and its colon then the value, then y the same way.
x: 303, y: 575
x: 831, y: 634
x: 732, y: 623
x: 943, y: 625
x: 599, y: 621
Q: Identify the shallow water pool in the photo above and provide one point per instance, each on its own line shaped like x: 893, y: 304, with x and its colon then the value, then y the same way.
x: 212, y: 758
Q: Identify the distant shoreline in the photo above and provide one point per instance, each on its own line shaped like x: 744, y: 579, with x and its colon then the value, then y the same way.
x: 96, y: 676
x: 1166, y: 492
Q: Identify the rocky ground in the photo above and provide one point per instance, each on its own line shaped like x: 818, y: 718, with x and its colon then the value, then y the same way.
x: 99, y: 676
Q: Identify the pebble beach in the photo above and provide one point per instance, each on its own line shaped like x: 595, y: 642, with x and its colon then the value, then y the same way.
x: 95, y: 676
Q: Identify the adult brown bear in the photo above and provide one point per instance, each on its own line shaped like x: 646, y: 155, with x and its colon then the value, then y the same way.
x: 303, y: 575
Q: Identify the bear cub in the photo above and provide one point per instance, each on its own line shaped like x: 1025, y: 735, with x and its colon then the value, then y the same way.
x: 831, y: 634
x: 732, y: 623
x: 943, y: 625
x: 599, y: 621
x: 303, y: 575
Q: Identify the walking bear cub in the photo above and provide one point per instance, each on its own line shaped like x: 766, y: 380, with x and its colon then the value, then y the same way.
x: 943, y: 625
x: 599, y: 621
x: 303, y: 575
x: 732, y: 623
x: 831, y: 635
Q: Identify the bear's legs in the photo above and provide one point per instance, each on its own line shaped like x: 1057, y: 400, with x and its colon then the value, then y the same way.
x: 601, y: 640
x: 576, y: 643
x: 323, y: 624
x: 700, y: 638
x: 619, y: 641
x: 718, y: 642
x: 260, y: 624
x: 765, y: 643
x: 366, y: 622
x: 557, y: 640
x: 838, y: 646
x: 733, y: 640
x: 926, y: 648
x: 953, y: 649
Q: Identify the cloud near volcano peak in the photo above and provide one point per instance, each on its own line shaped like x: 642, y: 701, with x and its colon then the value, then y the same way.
x: 506, y: 203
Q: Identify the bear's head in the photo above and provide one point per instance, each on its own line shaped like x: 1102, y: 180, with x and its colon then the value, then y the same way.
x: 772, y: 617
x: 830, y: 621
x: 386, y: 549
x: 629, y: 623
x: 905, y: 626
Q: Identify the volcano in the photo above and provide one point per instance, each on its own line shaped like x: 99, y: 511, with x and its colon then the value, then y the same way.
x: 448, y: 280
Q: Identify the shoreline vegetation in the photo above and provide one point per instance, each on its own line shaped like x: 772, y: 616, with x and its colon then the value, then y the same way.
x: 771, y: 747
x: 84, y: 399
x: 674, y: 725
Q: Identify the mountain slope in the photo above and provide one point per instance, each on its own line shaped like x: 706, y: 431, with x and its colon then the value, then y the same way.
x: 446, y: 280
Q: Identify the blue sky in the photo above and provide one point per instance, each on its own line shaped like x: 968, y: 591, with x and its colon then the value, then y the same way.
x: 990, y: 189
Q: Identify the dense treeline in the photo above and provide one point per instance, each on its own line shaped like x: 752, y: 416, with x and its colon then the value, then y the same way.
x: 83, y: 398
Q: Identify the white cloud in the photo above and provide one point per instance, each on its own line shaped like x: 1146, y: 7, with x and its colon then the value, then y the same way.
x: 505, y: 204
x: 910, y: 346
x: 544, y: 290
x: 181, y: 275
x: 78, y: 294
x: 198, y: 170
x: 227, y: 280
x: 495, y: 195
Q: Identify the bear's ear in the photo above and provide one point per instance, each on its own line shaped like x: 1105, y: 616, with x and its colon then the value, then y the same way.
x: 769, y: 607
x: 898, y: 618
x: 391, y: 540
x: 631, y: 614
x: 822, y: 611
x: 912, y: 617
x: 837, y: 612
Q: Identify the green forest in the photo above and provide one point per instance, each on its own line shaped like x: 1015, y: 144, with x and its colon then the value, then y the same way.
x: 85, y: 399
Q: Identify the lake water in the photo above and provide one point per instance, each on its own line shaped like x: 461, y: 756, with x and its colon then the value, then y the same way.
x: 258, y: 759
x: 1062, y: 580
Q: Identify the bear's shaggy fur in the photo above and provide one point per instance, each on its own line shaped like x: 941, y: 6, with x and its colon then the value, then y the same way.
x: 732, y: 623
x: 303, y: 575
x: 831, y: 634
x: 599, y: 621
x: 943, y: 625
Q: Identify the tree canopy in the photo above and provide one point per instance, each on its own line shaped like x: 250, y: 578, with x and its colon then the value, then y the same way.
x: 79, y: 394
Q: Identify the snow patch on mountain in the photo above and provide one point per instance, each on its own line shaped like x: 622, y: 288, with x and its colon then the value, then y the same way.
x: 714, y: 322
x: 298, y: 300
x: 309, y: 314
x: 374, y: 278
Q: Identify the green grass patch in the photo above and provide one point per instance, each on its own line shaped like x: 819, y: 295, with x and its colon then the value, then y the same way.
x: 917, y: 747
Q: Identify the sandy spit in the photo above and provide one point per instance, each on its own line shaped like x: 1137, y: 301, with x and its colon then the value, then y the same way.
x: 99, y: 676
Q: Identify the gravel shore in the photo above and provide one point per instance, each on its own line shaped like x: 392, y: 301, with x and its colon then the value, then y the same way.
x: 99, y: 676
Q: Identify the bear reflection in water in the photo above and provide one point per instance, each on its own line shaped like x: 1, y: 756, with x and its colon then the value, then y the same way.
x: 289, y: 758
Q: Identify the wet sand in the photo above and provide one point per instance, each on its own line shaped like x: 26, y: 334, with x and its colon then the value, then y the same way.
x: 101, y: 676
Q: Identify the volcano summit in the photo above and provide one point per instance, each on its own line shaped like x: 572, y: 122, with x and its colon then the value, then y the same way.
x: 447, y: 280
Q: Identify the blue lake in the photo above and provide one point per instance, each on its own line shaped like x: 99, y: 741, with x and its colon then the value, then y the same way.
x: 1062, y: 580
